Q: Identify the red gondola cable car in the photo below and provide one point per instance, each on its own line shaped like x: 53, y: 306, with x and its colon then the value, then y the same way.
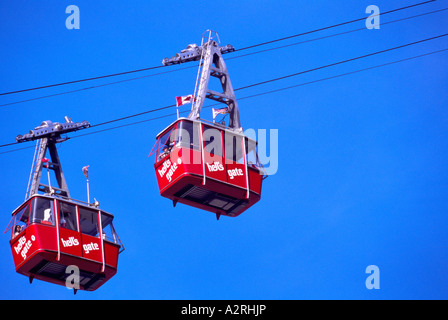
x: 204, y: 164
x: 54, y: 236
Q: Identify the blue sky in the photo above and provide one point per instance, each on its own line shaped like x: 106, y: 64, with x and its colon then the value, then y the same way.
x: 362, y: 175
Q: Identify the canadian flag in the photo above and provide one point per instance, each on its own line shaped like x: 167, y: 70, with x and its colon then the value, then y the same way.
x: 46, y: 162
x: 85, y: 170
x: 220, y: 111
x: 184, y: 99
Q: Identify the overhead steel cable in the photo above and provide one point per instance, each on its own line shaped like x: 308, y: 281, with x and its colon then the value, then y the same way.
x: 343, y: 74
x: 341, y: 62
x: 229, y: 58
x: 291, y: 75
x: 241, y: 49
x: 280, y: 78
x: 132, y: 116
x: 334, y: 34
x: 241, y: 98
x: 94, y: 87
x: 330, y: 27
x: 272, y: 91
x: 81, y: 80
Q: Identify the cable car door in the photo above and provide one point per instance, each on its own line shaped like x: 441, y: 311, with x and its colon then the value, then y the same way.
x: 213, y: 154
x: 235, y: 160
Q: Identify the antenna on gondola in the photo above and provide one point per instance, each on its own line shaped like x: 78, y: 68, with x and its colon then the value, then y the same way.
x: 85, y: 170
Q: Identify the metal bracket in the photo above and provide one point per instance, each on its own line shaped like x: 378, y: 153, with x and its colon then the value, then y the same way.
x: 211, y: 64
x: 47, y: 135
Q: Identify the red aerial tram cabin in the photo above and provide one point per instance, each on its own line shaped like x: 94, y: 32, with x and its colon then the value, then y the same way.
x: 204, y: 164
x: 50, y: 234
x: 55, y: 238
x: 207, y: 166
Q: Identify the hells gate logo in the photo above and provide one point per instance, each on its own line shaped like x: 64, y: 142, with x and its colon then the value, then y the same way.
x: 169, y: 168
x: 235, y: 172
x: 72, y: 241
x: 216, y: 166
x: 90, y: 247
x: 23, y: 246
